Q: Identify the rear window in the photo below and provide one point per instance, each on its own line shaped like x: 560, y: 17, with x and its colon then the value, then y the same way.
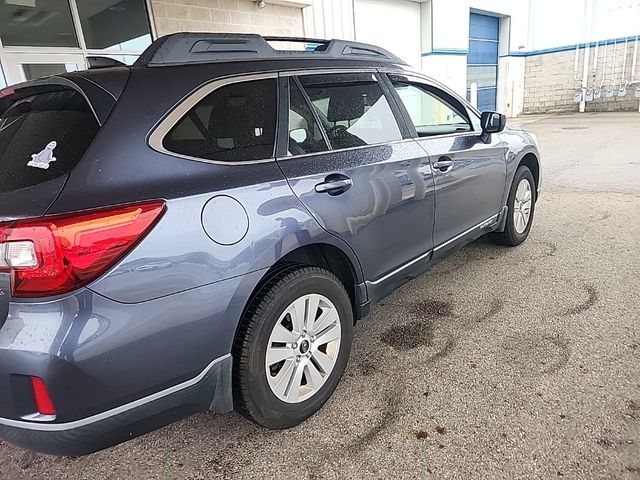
x: 43, y: 136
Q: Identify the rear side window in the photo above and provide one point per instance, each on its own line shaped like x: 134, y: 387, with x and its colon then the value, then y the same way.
x: 43, y: 136
x: 234, y: 123
x: 353, y: 111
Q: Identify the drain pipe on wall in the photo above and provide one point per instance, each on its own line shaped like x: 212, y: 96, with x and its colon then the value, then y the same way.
x: 587, y: 54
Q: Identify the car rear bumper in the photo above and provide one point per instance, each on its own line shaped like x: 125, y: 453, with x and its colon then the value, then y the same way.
x: 115, y: 370
x: 210, y: 390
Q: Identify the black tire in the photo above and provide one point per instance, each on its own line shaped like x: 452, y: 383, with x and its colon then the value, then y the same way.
x: 510, y: 237
x: 252, y: 395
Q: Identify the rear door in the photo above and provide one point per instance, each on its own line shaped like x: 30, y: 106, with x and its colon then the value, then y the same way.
x: 470, y: 175
x: 44, y: 132
x: 350, y: 162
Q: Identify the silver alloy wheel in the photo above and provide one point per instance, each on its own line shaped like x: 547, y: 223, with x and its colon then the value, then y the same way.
x: 303, y: 348
x: 522, y: 206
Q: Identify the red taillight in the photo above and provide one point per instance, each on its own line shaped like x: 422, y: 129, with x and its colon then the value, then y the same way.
x: 41, y: 396
x: 55, y: 255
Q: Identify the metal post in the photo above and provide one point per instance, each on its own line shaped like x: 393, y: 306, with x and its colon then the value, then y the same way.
x: 473, y: 94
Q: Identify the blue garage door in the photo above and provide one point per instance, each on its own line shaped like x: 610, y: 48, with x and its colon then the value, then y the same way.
x: 482, y: 60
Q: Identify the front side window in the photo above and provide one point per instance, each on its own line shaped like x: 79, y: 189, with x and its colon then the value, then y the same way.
x: 430, y: 114
x: 234, y: 123
x: 352, y: 109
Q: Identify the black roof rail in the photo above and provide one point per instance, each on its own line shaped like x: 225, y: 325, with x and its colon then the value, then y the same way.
x: 186, y: 48
x: 103, y: 62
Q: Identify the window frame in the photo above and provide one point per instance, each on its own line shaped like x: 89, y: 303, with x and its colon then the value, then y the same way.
x: 440, y: 92
x: 155, y: 139
x: 283, y: 133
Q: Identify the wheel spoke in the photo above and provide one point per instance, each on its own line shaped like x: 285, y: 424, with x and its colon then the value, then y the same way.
x: 327, y: 317
x: 282, y: 335
x: 281, y: 381
x: 311, y: 312
x: 277, y: 354
x: 297, y: 314
x: 293, y: 390
x: 329, y: 335
x: 324, y: 360
x: 314, y: 377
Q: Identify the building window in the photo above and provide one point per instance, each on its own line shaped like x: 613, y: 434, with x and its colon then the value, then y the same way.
x: 31, y: 23
x: 112, y: 25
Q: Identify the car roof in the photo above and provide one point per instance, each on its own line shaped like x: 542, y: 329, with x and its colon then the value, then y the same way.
x: 196, y: 48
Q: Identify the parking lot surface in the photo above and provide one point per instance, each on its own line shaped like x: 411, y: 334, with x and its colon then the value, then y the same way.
x: 499, y: 363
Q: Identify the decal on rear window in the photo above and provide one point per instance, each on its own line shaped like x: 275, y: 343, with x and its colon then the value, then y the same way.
x: 45, y: 157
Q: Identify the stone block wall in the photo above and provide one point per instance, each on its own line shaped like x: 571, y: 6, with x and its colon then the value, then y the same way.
x: 551, y: 82
x: 237, y: 16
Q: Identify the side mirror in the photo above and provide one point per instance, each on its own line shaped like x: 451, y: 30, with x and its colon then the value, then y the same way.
x: 492, y: 122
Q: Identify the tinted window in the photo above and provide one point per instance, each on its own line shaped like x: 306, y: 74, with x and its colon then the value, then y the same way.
x: 235, y: 123
x: 353, y: 112
x: 99, y: 18
x: 37, y: 24
x: 58, y: 121
x: 431, y: 114
x: 305, y: 135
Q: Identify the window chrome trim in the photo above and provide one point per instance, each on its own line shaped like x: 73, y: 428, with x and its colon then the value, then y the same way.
x: 347, y: 149
x: 162, y: 128
x: 166, y: 123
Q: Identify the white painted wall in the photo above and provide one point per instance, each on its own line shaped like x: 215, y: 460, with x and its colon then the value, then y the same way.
x: 390, y: 24
x: 433, y: 35
x: 556, y: 23
x: 329, y: 19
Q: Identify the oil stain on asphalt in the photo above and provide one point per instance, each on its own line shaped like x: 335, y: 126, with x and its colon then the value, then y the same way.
x: 592, y: 298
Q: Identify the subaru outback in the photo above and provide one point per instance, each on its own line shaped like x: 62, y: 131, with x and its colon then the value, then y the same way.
x: 199, y: 231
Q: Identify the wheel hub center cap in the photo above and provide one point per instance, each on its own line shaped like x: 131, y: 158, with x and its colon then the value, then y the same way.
x: 304, y: 346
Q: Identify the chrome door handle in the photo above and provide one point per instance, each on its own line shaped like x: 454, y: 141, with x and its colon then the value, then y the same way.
x: 443, y: 164
x: 334, y: 184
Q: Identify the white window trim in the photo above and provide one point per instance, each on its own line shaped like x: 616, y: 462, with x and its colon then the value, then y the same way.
x: 82, y: 48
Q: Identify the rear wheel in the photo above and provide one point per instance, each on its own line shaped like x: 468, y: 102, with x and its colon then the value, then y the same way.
x: 521, y: 203
x: 292, y: 347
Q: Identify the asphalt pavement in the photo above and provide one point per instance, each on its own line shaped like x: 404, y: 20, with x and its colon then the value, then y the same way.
x: 499, y: 363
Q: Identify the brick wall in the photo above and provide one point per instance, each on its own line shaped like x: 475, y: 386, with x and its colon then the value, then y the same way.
x: 550, y: 82
x: 238, y: 16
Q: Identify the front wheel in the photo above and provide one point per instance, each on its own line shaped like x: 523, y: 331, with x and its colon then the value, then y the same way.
x: 292, y: 347
x: 521, y: 204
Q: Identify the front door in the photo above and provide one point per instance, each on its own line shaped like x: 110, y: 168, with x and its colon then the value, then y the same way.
x: 20, y: 67
x: 347, y: 160
x: 470, y: 175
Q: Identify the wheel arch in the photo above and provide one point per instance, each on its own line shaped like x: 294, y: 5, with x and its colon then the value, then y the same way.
x: 531, y: 161
x: 324, y: 255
